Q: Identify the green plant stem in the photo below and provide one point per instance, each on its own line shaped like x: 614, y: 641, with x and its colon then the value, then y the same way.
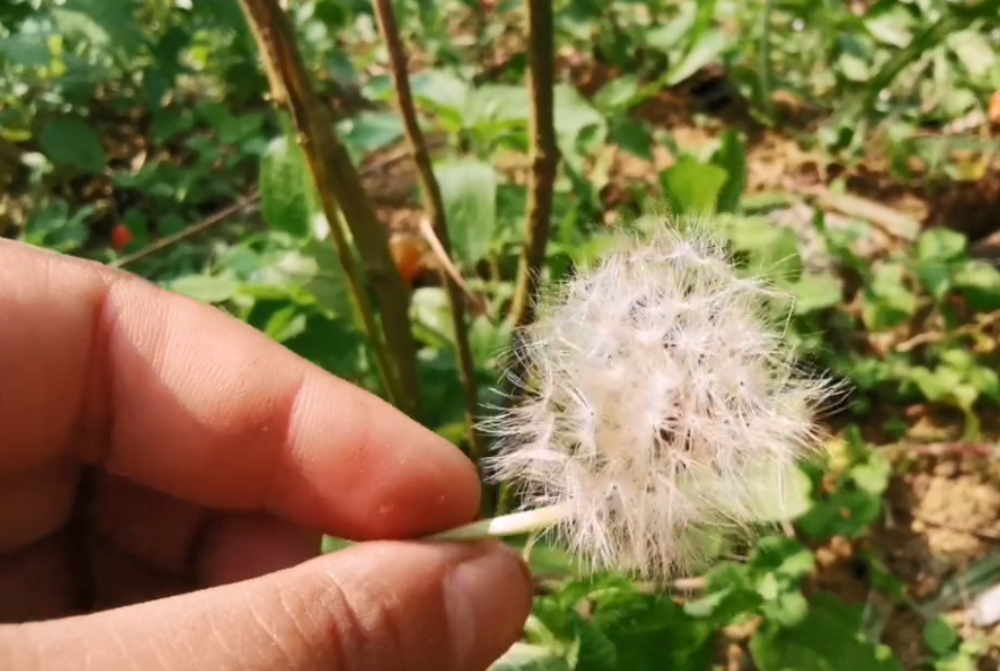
x: 544, y: 165
x: 544, y: 157
x: 341, y: 191
x: 513, y: 524
x: 436, y: 213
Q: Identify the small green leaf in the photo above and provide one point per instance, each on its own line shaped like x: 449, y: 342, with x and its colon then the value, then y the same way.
x: 814, y: 292
x: 575, y: 119
x: 974, y: 51
x: 72, y: 142
x: 706, y: 50
x: 616, y: 94
x: 497, y: 105
x: 887, y: 302
x: 890, y: 26
x: 937, y: 250
x: 788, y: 609
x: 872, y: 476
x: 979, y: 282
x: 443, y: 94
x: 941, y: 637
x: 944, y: 384
x: 732, y: 158
x: 205, y: 288
x: 773, y: 250
x: 469, y: 192
x: 693, y: 188
x: 371, y: 132
x: 53, y: 226
x: 940, y: 244
x: 286, y: 188
x: 666, y: 37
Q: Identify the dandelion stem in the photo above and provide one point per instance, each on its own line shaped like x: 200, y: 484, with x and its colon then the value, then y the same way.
x: 507, y: 525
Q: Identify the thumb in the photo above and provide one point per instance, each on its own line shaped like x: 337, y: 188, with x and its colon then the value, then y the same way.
x: 383, y: 606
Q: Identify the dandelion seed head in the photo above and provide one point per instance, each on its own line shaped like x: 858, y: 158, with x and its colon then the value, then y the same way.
x: 660, y: 389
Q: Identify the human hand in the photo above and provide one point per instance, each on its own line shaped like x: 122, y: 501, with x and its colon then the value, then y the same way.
x: 166, y: 473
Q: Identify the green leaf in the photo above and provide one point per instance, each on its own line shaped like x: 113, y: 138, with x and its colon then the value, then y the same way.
x: 706, y: 50
x: 827, y: 639
x: 843, y: 513
x: 940, y: 244
x: 494, y: 104
x: 286, y: 188
x: 469, y: 192
x: 773, y: 250
x: 72, y: 142
x: 787, y: 609
x: 616, y: 94
x: 55, y: 228
x: 890, y: 26
x: 815, y: 292
x: 314, y: 269
x: 974, y: 51
x: 29, y: 50
x: 872, y: 476
x: 979, y: 282
x: 370, y: 132
x: 205, y: 288
x: 941, y: 637
x: 444, y: 94
x: 575, y: 119
x: 732, y: 158
x: 937, y: 251
x: 944, y: 385
x: 887, y: 303
x: 110, y: 25
x: 693, y: 188
x: 667, y: 37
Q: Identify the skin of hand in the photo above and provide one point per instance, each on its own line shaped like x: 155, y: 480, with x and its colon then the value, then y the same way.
x: 166, y: 473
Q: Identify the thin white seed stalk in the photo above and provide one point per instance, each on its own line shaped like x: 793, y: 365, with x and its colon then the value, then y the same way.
x: 514, y: 524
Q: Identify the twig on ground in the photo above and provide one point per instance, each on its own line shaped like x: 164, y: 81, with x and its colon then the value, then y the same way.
x: 983, y: 321
x: 340, y: 190
x: 891, y: 222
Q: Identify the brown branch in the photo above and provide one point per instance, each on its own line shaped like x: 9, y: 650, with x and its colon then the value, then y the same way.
x: 982, y: 322
x: 340, y: 191
x: 197, y: 229
x: 435, y: 210
x: 544, y: 157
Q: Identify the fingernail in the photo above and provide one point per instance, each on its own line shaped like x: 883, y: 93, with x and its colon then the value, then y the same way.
x: 478, y: 597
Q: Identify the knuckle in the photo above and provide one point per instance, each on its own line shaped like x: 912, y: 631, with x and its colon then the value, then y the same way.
x: 365, y: 628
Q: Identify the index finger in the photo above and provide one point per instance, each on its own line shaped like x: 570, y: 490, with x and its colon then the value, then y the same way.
x: 103, y: 367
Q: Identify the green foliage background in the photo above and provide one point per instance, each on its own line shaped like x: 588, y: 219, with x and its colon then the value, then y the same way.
x: 150, y: 116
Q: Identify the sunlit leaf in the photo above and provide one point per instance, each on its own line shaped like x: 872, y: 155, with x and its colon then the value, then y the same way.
x: 469, y: 192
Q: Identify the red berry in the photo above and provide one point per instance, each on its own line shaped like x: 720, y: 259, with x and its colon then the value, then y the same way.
x: 121, y: 237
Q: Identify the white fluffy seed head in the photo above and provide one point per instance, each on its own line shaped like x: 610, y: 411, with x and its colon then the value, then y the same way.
x: 661, y: 394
